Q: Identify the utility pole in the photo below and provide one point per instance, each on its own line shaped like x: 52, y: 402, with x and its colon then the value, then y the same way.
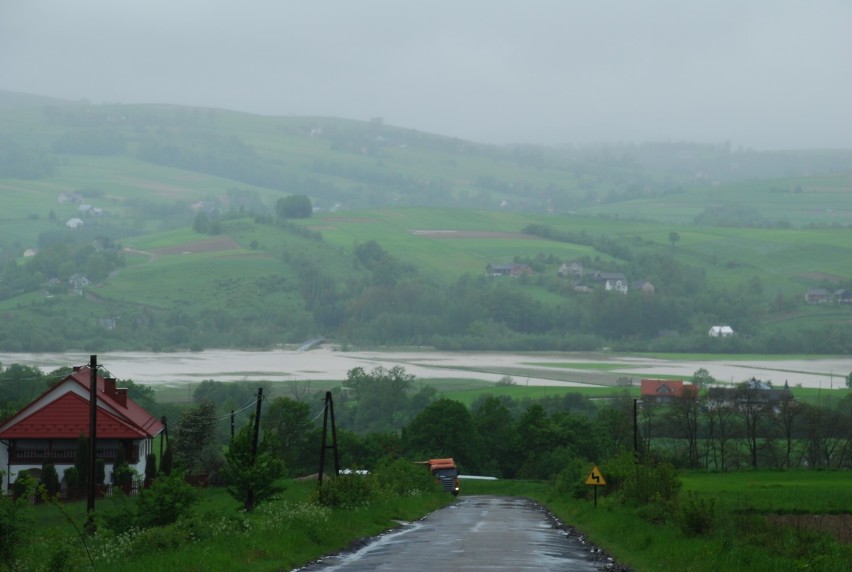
x: 635, y: 432
x: 328, y: 409
x: 91, y: 527
x: 255, y: 438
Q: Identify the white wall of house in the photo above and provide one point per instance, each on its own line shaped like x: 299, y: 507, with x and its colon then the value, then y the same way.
x: 10, y: 472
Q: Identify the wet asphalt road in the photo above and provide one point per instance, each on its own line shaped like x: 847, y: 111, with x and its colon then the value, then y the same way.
x: 476, y: 533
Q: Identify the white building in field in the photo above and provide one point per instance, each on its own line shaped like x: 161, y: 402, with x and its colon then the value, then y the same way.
x: 720, y: 332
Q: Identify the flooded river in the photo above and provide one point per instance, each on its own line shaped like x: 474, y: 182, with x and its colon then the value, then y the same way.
x: 552, y: 369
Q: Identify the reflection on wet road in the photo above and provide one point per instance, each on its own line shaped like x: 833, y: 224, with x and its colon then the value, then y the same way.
x: 477, y: 533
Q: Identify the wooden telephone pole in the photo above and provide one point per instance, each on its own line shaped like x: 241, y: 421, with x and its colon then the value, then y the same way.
x: 328, y: 410
x: 91, y: 527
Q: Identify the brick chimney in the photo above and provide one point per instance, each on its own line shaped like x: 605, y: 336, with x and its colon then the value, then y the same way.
x: 121, y: 396
x: 109, y: 386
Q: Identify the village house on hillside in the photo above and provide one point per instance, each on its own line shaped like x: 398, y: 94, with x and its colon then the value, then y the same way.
x: 752, y: 390
x: 720, y: 331
x: 664, y: 390
x: 508, y: 269
x: 817, y: 296
x: 612, y: 281
x: 48, y: 428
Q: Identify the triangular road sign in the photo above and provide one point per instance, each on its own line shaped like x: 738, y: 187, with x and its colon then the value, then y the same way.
x: 595, y: 478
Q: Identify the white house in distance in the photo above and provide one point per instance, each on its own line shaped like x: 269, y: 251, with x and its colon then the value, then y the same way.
x: 720, y: 332
x: 48, y: 428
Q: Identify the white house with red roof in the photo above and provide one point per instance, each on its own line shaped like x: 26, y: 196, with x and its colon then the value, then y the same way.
x: 49, y: 427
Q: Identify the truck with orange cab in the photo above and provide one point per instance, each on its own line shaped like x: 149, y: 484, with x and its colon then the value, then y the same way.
x: 445, y: 472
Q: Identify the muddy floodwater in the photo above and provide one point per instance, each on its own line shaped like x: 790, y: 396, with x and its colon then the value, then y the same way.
x: 551, y: 369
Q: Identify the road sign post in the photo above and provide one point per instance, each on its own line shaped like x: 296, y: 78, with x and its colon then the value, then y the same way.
x: 595, y: 479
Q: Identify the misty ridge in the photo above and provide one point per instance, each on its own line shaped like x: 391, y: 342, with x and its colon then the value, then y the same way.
x: 363, y: 167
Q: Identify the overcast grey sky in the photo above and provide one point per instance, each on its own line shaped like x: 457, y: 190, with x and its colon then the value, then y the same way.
x: 766, y: 74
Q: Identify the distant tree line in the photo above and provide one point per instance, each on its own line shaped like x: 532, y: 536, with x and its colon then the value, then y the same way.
x: 388, y: 414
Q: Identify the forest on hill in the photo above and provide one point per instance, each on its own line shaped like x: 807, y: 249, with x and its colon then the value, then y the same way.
x: 167, y: 227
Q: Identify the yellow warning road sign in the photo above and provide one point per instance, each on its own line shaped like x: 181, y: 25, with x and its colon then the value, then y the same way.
x: 595, y: 478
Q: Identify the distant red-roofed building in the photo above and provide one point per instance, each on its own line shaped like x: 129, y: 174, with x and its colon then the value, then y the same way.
x: 667, y: 389
x: 48, y: 428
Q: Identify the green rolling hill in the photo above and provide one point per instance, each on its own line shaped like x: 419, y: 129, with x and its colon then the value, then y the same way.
x: 180, y: 244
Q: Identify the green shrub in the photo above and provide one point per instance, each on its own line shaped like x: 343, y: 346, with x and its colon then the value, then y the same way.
x: 71, y: 477
x: 50, y: 479
x: 639, y: 484
x: 346, y: 491
x: 657, y: 511
x: 167, y: 461
x: 150, y: 467
x: 100, y: 471
x: 122, y: 473
x: 168, y: 499
x: 14, y: 524
x: 404, y: 478
x: 694, y: 515
x: 572, y: 480
x: 24, y: 485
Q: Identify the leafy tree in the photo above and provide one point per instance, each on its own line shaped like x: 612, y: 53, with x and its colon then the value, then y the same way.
x: 786, y: 416
x: 251, y: 475
x: 499, y: 434
x: 294, y: 206
x: 849, y: 380
x: 382, y: 395
x: 50, y: 478
x: 721, y: 424
x: 201, y: 224
x: 702, y: 377
x: 751, y: 408
x: 167, y: 461
x: 122, y: 472
x: 673, y: 238
x: 150, y: 467
x: 289, y: 422
x: 195, y: 435
x: 684, y: 414
x: 445, y: 429
x: 81, y: 461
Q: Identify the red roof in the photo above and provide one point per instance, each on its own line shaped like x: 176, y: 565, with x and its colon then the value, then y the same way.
x: 68, y: 418
x: 666, y: 388
x: 62, y: 413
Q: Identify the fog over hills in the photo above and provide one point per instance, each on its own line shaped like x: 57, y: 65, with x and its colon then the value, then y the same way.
x: 764, y: 75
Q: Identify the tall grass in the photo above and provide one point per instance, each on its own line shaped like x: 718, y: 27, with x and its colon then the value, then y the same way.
x: 282, y: 534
